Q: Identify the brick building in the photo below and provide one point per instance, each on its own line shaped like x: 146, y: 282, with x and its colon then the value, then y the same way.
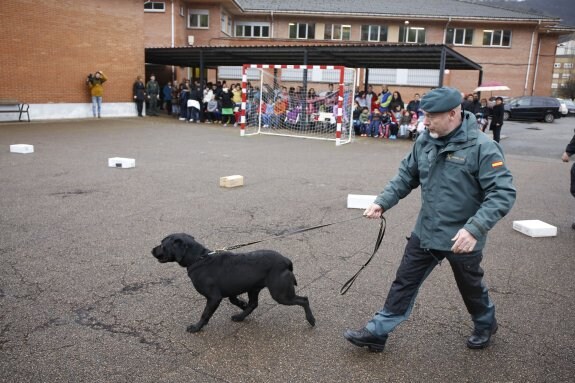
x: 48, y: 48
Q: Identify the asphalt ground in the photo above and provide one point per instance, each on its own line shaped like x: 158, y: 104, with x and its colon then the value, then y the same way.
x: 83, y: 300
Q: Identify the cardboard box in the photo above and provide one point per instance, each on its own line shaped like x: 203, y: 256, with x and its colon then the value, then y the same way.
x: 22, y: 148
x: 231, y: 181
x: 359, y: 201
x: 535, y: 228
x: 123, y: 163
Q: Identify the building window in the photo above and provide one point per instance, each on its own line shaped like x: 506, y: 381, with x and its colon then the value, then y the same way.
x: 252, y: 29
x: 497, y: 38
x: 459, y: 36
x: 555, y: 75
x: 411, y: 34
x: 568, y: 65
x: 155, y: 6
x: 301, y: 31
x: 554, y: 86
x: 565, y: 76
x: 337, y: 32
x: 557, y: 65
x: 199, y: 18
x: 373, y: 33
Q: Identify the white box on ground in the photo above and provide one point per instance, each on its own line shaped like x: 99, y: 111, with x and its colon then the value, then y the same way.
x: 535, y: 228
x: 359, y: 201
x: 231, y: 181
x: 123, y: 163
x: 22, y: 148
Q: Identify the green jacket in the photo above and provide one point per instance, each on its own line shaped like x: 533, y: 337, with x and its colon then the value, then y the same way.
x: 464, y: 183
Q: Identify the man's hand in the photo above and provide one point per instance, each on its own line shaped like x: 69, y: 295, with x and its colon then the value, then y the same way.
x: 373, y: 211
x: 464, y: 242
x: 565, y: 157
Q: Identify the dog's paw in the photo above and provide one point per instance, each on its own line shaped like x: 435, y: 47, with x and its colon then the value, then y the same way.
x: 193, y: 328
x: 311, y: 321
x: 238, y: 317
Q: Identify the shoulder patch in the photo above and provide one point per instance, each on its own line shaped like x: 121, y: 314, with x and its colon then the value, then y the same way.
x: 496, y: 164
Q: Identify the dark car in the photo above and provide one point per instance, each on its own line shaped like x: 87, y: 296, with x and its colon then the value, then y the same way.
x: 532, y: 108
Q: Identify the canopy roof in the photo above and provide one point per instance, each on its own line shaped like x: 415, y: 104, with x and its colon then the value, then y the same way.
x: 408, y: 56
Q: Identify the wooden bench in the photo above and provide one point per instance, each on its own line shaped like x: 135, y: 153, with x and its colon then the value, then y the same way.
x: 14, y: 106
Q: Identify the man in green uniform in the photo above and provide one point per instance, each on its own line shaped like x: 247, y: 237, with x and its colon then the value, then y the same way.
x: 465, y: 189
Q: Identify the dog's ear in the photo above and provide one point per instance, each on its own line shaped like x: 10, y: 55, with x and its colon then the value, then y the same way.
x: 179, y: 249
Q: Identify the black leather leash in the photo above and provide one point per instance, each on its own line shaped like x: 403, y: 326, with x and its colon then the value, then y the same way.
x: 347, y: 285
x: 382, y: 226
x: 229, y: 248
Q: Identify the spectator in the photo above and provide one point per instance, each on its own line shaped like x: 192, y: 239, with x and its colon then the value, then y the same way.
x: 139, y: 92
x: 194, y: 104
x: 497, y: 119
x: 374, y: 124
x: 404, y: 123
x: 413, y: 105
x: 280, y: 108
x: 364, y: 121
x: 183, y: 96
x: 175, y: 99
x: 482, y: 114
x: 384, y: 99
x: 208, y: 96
x: 569, y: 151
x: 96, y: 91
x: 357, y: 109
x: 371, y: 99
x: 167, y: 94
x: 212, y: 111
x: 396, y: 101
x: 153, y: 94
x: 227, y: 107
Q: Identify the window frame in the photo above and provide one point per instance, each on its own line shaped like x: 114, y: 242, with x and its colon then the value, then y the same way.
x: 493, y: 33
x: 467, y: 34
x: 382, y: 31
x: 337, y: 27
x: 297, y: 27
x: 198, y: 12
x: 405, y: 32
x: 153, y: 10
x: 252, y: 25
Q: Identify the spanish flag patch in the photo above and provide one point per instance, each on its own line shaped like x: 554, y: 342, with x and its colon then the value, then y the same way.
x: 496, y: 164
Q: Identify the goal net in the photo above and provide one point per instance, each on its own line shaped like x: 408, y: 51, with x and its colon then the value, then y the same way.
x: 304, y: 101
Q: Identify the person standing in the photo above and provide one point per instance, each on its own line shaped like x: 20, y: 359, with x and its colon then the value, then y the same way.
x: 139, y: 92
x: 466, y: 188
x: 96, y: 91
x: 153, y: 94
x: 167, y: 95
x: 384, y: 99
x: 569, y: 151
x: 497, y: 119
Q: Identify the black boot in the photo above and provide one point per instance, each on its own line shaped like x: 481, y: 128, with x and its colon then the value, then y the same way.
x: 363, y: 338
x: 481, y: 338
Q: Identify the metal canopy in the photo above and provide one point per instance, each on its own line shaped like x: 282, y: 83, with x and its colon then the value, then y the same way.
x: 408, y: 56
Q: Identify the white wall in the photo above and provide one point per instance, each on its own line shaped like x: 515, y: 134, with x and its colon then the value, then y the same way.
x: 68, y: 111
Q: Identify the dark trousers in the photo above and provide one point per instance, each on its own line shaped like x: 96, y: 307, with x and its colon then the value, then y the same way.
x: 496, y: 131
x: 140, y: 106
x: 573, y: 180
x: 416, y: 265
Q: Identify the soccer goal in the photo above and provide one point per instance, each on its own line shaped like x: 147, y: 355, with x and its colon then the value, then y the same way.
x: 304, y: 101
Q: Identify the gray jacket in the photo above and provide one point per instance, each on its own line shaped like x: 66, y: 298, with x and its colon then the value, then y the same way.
x: 464, y: 181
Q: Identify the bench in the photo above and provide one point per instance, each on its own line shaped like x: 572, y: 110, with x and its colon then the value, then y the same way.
x: 14, y: 106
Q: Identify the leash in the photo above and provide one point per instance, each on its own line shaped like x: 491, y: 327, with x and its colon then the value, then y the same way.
x: 382, y: 226
x: 347, y: 285
x: 229, y: 248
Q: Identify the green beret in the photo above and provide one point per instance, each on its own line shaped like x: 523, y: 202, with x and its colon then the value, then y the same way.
x: 441, y: 99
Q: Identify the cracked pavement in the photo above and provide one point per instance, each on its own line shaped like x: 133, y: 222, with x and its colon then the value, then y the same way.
x: 83, y: 300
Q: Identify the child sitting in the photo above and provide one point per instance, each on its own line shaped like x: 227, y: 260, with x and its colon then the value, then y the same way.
x: 374, y: 124
x: 364, y: 121
x: 404, y: 123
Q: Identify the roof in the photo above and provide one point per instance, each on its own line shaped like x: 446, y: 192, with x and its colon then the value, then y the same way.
x: 407, y: 56
x: 393, y: 9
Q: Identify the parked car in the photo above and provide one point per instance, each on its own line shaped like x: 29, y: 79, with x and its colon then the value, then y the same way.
x: 532, y: 108
x: 567, y: 107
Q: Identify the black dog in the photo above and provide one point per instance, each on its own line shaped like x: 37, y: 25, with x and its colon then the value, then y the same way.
x: 222, y: 274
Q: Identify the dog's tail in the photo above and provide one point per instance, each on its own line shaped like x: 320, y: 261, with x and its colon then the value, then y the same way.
x: 290, y: 268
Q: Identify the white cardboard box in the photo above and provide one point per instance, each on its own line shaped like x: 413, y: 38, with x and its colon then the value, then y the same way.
x: 535, y: 228
x: 359, y: 201
x: 122, y: 163
x: 22, y: 148
x: 231, y: 181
